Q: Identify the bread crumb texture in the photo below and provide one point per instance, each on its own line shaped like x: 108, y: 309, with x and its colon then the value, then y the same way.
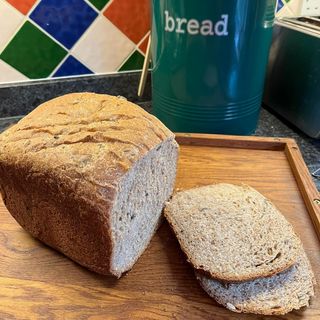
x: 232, y: 232
x: 276, y: 295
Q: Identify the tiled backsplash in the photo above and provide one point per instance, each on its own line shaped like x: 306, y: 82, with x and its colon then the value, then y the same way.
x: 54, y: 38
x: 296, y: 8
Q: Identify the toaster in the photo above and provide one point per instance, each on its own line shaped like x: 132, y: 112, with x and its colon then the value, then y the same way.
x: 292, y: 87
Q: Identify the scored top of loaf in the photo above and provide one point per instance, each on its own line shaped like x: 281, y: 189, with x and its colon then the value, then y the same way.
x: 231, y: 232
x: 85, y: 141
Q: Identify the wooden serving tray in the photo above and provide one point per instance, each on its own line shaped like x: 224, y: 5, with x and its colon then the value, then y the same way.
x: 37, y: 282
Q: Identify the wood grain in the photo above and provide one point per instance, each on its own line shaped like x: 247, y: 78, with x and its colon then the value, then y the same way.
x: 309, y: 193
x: 37, y: 282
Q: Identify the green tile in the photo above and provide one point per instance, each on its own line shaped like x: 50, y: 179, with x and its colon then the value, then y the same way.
x: 99, y: 4
x: 135, y: 62
x: 32, y: 52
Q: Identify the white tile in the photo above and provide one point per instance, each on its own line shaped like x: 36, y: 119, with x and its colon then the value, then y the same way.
x: 295, y: 7
x: 284, y: 12
x: 103, y: 47
x: 9, y: 74
x: 10, y: 19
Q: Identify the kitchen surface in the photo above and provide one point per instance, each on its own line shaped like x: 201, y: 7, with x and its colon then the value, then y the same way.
x: 19, y: 99
x: 159, y: 159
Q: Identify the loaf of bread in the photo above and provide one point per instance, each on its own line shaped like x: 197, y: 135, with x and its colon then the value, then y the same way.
x: 89, y: 175
x: 232, y: 232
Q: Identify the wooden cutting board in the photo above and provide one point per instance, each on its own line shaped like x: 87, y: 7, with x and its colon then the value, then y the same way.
x: 37, y: 282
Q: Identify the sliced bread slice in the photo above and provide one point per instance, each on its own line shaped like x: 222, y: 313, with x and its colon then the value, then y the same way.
x: 276, y: 295
x: 232, y: 232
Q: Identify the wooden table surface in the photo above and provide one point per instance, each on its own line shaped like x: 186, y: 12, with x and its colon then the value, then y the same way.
x: 37, y: 282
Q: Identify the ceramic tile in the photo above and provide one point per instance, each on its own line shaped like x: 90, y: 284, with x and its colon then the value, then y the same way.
x: 71, y: 67
x: 284, y: 12
x: 23, y: 6
x: 65, y: 20
x: 8, y: 73
x: 10, y: 19
x: 131, y: 17
x: 295, y: 6
x: 279, y: 5
x: 99, y: 4
x: 135, y: 62
x: 32, y: 52
x: 52, y: 38
x: 103, y: 48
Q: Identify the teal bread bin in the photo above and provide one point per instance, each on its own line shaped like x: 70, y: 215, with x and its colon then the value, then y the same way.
x: 209, y: 60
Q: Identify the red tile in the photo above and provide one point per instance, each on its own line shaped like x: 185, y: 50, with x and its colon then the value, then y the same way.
x: 144, y: 44
x: 132, y: 17
x: 23, y: 6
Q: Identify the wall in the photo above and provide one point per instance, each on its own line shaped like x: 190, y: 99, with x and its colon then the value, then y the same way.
x: 298, y: 8
x: 54, y: 38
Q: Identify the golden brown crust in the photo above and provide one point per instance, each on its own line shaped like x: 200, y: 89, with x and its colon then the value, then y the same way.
x: 61, y: 164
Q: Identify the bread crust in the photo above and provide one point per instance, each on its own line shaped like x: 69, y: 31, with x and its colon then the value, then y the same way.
x: 278, y: 295
x: 222, y: 277
x: 219, y: 276
x: 60, y: 167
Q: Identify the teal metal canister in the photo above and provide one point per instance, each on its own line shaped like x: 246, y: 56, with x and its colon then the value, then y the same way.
x: 209, y: 61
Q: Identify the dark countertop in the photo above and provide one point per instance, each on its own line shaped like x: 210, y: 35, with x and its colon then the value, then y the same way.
x: 22, y: 98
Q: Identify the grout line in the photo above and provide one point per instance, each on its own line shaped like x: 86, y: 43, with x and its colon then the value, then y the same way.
x: 13, y: 35
x: 58, y: 65
x: 23, y: 21
x: 33, y: 7
x: 57, y: 41
x: 106, y: 6
x: 84, y: 63
x: 48, y: 34
x: 140, y: 51
x: 91, y: 5
x: 143, y: 38
x: 27, y: 18
x: 141, y: 41
x: 68, y: 50
x: 100, y: 12
x: 71, y: 51
x: 125, y: 60
x: 17, y: 28
x: 15, y: 70
x: 102, y: 15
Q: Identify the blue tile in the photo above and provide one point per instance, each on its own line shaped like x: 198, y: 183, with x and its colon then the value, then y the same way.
x: 72, y: 67
x: 65, y: 20
x: 280, y: 5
